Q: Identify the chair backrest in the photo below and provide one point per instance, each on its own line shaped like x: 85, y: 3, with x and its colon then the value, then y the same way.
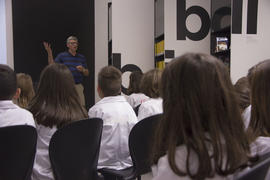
x: 74, y: 150
x: 140, y: 139
x: 136, y: 109
x: 17, y: 151
x: 257, y: 171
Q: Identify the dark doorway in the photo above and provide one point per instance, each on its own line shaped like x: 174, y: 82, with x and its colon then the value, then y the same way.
x: 35, y: 21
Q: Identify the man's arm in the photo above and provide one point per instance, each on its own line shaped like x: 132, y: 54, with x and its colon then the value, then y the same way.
x: 83, y: 70
x: 48, y: 48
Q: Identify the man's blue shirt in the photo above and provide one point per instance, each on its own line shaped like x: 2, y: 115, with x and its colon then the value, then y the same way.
x: 71, y: 62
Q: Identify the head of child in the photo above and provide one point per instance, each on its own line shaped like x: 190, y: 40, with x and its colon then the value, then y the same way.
x: 259, y: 78
x: 56, y: 101
x: 242, y: 89
x: 151, y: 83
x: 109, y: 81
x: 200, y: 111
x: 8, y: 83
x: 134, y: 82
x: 25, y: 85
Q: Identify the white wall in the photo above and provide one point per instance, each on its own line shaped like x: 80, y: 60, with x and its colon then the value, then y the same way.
x: 247, y: 50
x: 101, y: 38
x: 6, y: 33
x: 133, y: 33
x: 193, y: 23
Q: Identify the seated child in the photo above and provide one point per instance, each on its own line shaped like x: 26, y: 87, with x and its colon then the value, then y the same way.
x: 118, y: 119
x: 11, y: 114
x: 136, y: 97
x: 201, y: 134
x: 258, y: 130
x: 55, y: 104
x: 150, y: 85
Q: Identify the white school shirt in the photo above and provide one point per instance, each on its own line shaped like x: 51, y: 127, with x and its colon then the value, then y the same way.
x: 163, y: 171
x: 246, y: 116
x: 11, y: 115
x: 136, y: 99
x: 42, y: 169
x: 260, y: 146
x: 150, y: 107
x: 118, y: 119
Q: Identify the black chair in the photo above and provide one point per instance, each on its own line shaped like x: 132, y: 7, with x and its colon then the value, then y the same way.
x: 140, y: 139
x: 136, y: 109
x: 257, y: 171
x: 74, y: 150
x: 17, y: 151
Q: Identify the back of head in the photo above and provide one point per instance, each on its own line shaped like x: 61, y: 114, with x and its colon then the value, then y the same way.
x: 56, y: 100
x: 8, y: 82
x: 151, y: 83
x: 109, y: 81
x: 200, y: 111
x: 24, y: 82
x: 242, y: 89
x: 260, y: 100
x: 134, y: 82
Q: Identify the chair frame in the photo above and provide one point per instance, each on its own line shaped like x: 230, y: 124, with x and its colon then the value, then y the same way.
x: 61, y: 132
x: 17, y: 141
x: 135, y: 171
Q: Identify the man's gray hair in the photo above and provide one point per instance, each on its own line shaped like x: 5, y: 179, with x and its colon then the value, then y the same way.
x: 72, y: 38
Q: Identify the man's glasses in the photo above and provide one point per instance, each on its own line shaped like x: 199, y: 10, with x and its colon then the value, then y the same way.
x: 73, y: 43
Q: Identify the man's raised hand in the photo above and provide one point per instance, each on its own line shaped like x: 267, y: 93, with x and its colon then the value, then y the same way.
x: 48, y: 48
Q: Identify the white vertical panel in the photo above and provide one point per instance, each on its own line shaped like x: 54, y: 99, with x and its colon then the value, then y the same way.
x: 3, y: 47
x: 193, y: 23
x: 9, y: 33
x: 101, y: 38
x: 248, y: 49
x: 133, y: 33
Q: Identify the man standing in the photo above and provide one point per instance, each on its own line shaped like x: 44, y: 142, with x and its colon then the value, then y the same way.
x: 74, y: 61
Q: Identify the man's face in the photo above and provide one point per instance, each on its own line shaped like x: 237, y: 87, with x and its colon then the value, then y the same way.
x: 72, y: 45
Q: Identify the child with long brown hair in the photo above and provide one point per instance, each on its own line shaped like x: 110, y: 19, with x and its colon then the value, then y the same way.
x: 201, y: 134
x: 150, y: 86
x: 136, y: 97
x: 55, y: 104
x: 259, y: 125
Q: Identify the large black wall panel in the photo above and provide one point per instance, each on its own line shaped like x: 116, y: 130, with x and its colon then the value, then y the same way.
x: 35, y: 21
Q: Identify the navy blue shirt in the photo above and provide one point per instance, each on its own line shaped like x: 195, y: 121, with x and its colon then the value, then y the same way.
x: 71, y: 62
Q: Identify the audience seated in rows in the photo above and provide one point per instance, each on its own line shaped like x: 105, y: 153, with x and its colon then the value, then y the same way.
x: 201, y: 134
x: 150, y: 86
x: 10, y: 113
x: 26, y: 90
x: 55, y: 104
x: 136, y: 97
x: 118, y: 119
